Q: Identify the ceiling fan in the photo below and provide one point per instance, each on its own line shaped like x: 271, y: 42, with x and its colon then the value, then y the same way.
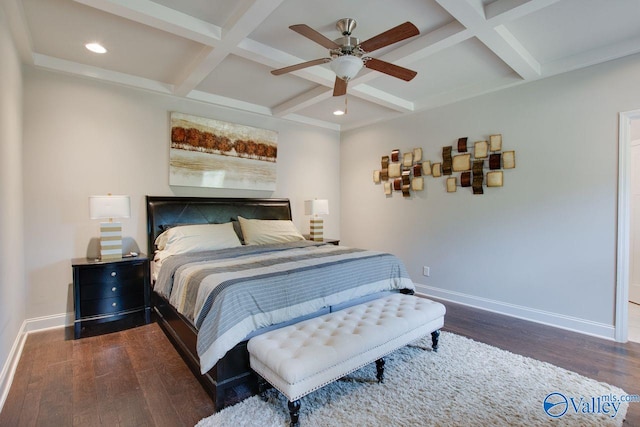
x: 348, y: 55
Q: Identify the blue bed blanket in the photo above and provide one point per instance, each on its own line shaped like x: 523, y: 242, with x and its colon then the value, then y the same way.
x: 229, y: 293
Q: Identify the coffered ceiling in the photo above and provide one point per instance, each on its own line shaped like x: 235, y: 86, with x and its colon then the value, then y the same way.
x: 222, y: 51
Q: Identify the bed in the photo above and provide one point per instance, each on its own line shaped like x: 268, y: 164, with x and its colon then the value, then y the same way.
x: 210, y: 300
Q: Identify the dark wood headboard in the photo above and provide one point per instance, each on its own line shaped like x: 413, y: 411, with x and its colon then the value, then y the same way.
x: 163, y: 211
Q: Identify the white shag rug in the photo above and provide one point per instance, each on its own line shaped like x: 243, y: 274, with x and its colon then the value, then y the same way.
x: 466, y: 383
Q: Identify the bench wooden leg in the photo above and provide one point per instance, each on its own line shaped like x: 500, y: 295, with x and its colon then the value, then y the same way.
x: 435, y: 336
x: 294, y: 412
x: 263, y: 386
x: 380, y: 370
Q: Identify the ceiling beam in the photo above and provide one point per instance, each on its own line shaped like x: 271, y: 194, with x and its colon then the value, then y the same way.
x: 305, y: 100
x: 468, y: 91
x: 382, y: 98
x: 161, y: 18
x: 429, y: 44
x: 243, y: 25
x: 493, y: 34
x: 274, y: 58
x: 510, y: 51
x: 228, y: 102
x: 78, y: 69
x: 594, y: 56
x: 503, y: 11
x: 313, y: 122
x: 368, y: 121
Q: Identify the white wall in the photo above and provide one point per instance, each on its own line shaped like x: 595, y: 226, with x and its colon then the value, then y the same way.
x: 541, y: 247
x: 12, y: 284
x: 83, y: 137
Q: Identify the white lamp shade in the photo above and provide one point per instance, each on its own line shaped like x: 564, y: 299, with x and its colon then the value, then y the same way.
x: 347, y: 66
x: 101, y: 207
x: 316, y: 207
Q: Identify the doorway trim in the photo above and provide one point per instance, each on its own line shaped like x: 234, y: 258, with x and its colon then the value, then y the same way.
x: 624, y: 229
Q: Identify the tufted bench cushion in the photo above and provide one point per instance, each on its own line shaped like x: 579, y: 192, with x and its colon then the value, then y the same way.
x: 301, y: 358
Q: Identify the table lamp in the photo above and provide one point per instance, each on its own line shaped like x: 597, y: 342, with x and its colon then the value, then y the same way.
x: 110, y: 207
x: 316, y: 208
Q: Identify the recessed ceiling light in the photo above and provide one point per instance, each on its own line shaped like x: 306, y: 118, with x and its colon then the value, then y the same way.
x: 338, y: 113
x: 95, y: 47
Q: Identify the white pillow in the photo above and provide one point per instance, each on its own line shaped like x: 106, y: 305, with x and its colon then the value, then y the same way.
x: 264, y: 231
x: 192, y: 238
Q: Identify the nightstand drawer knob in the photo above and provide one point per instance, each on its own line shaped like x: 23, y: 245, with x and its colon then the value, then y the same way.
x: 113, y: 274
x: 114, y: 289
x: 114, y: 304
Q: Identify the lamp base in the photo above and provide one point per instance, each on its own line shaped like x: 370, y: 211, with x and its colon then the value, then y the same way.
x: 315, y: 230
x: 110, y: 240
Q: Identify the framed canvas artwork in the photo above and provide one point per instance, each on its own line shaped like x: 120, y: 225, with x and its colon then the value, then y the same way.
x: 211, y: 153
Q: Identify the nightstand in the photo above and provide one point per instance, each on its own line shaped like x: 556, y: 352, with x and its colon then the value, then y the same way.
x: 106, y: 291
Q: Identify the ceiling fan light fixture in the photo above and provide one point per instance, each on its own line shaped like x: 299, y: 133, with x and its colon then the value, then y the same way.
x: 346, y: 66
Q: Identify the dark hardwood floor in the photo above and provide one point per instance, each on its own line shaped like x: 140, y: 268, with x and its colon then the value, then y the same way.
x: 136, y: 378
x: 600, y: 359
x: 129, y: 378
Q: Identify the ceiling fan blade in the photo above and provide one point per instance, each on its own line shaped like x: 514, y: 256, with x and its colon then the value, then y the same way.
x: 315, y: 36
x: 390, y: 69
x: 394, y: 35
x: 340, y: 87
x: 300, y: 66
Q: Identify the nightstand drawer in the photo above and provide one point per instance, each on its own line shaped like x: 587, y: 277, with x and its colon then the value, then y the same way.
x: 114, y: 273
x: 111, y: 305
x: 111, y: 290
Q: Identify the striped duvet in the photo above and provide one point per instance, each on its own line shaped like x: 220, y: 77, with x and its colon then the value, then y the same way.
x: 229, y: 293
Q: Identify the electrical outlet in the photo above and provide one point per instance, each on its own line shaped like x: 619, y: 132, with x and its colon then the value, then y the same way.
x: 426, y: 271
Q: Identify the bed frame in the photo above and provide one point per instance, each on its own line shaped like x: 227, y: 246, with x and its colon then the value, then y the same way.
x: 230, y: 380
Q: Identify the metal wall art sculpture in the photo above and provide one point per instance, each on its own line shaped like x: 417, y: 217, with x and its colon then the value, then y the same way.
x: 462, y: 167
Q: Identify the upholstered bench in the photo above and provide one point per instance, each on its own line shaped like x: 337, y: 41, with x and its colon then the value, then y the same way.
x: 304, y: 357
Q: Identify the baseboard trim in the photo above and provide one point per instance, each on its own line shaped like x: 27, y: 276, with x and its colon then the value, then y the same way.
x: 49, y: 322
x: 9, y: 368
x: 28, y: 326
x: 570, y: 323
